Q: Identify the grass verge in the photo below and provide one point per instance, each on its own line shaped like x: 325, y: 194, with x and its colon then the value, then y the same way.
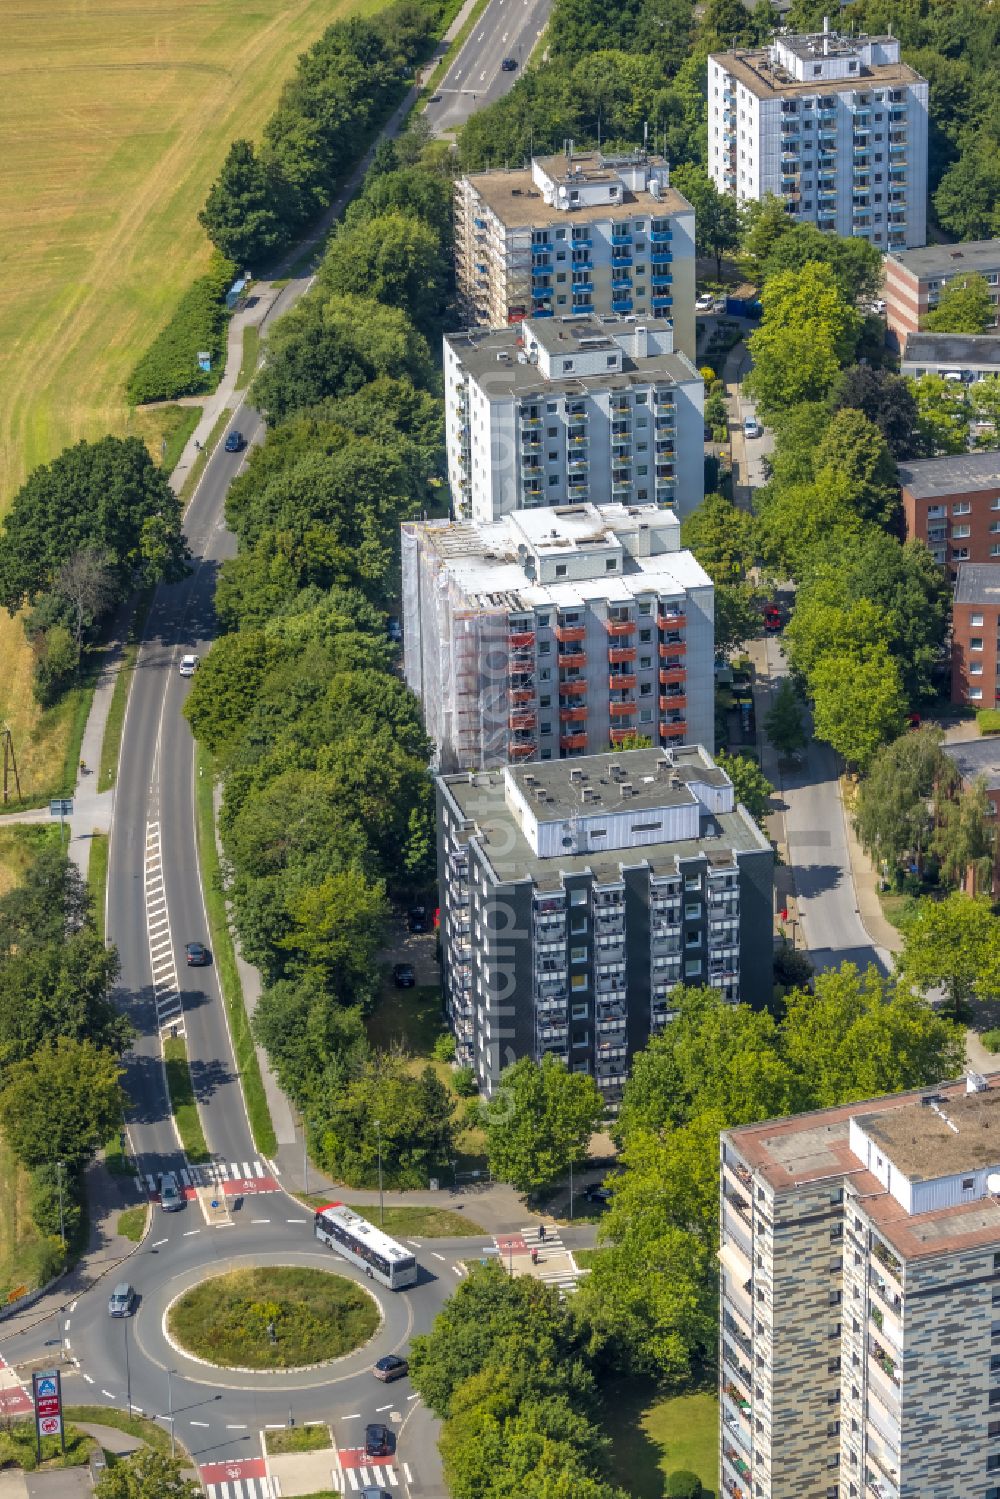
x: 132, y: 1224
x: 20, y: 844
x: 115, y: 723
x: 251, y: 350
x: 97, y: 876
x: 208, y: 448
x: 314, y: 1438
x: 17, y: 1448
x: 225, y: 961
x: 135, y: 1426
x: 27, y: 1257
x: 654, y: 1435
x: 183, y: 1101
x: 116, y: 1157
x: 585, y: 1257
x: 274, y: 1317
x: 412, y: 1222
x: 164, y: 429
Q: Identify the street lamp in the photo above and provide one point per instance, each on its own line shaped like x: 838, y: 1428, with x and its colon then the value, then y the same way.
x: 62, y: 1221
x: 128, y: 1371
x: 381, y: 1204
x: 170, y: 1409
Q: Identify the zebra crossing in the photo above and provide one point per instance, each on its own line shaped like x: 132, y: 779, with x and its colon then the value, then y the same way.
x: 166, y: 990
x: 248, y: 1176
x: 351, y: 1480
x: 565, y: 1273
x: 242, y: 1488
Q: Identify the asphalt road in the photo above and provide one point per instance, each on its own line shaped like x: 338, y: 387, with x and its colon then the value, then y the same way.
x: 507, y: 28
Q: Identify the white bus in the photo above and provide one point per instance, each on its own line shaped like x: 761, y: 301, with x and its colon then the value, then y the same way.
x: 363, y: 1244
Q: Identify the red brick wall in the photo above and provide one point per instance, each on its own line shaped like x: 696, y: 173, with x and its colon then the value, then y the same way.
x: 963, y: 658
x: 903, y: 303
x: 981, y: 515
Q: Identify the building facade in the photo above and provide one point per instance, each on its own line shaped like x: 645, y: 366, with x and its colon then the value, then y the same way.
x: 915, y: 279
x: 860, y: 1300
x: 575, y: 898
x: 975, y: 635
x: 836, y: 126
x: 968, y: 357
x: 953, y: 504
x: 580, y: 232
x: 581, y: 408
x: 978, y: 764
x: 556, y: 633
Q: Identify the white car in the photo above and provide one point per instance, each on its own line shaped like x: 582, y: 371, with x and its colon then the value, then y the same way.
x: 705, y: 303
x: 188, y: 666
x: 752, y: 427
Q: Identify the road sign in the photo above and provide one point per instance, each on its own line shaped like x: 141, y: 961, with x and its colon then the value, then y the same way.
x: 46, y: 1387
x: 50, y: 1426
x: 61, y: 807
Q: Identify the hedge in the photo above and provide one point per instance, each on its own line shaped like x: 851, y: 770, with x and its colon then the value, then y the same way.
x: 169, y: 367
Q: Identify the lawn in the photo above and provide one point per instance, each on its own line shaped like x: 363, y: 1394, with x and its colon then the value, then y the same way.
x: 106, y: 1415
x: 132, y: 1223
x: 275, y: 1317
x: 413, y: 1222
x: 183, y: 1101
x: 27, y: 1258
x: 654, y: 1435
x: 97, y: 876
x: 312, y: 1438
x: 115, y: 121
x: 19, y: 846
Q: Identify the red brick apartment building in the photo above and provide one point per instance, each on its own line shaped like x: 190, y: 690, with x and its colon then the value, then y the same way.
x: 953, y: 504
x: 914, y: 280
x: 975, y: 632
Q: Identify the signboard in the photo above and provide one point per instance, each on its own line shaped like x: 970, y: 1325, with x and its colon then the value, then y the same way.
x: 46, y: 1388
x: 204, y: 360
x: 61, y: 807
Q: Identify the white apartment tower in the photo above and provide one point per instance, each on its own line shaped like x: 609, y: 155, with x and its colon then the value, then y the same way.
x: 578, y: 232
x: 834, y: 125
x: 582, y: 408
x: 557, y: 633
x: 860, y: 1300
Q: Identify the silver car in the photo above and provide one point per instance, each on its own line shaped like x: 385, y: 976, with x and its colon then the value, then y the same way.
x: 121, y: 1302
x: 171, y: 1200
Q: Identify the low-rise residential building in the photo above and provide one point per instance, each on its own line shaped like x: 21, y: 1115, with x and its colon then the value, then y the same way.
x: 953, y: 504
x: 955, y: 356
x: 860, y: 1300
x: 554, y: 633
x: 978, y: 763
x: 583, y: 408
x: 915, y: 279
x: 576, y: 898
x: 975, y: 635
x: 834, y: 125
x: 578, y: 232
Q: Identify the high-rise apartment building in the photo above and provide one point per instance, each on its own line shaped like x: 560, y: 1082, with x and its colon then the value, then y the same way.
x: 860, y: 1300
x: 834, y: 125
x: 575, y: 898
x: 580, y: 408
x: 556, y: 633
x: 580, y: 232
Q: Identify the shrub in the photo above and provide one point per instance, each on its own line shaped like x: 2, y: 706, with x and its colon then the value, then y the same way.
x: 444, y: 1047
x: 991, y: 1039
x: 684, y: 1485
x: 57, y: 659
x: 463, y: 1080
x: 169, y: 367
x: 988, y: 720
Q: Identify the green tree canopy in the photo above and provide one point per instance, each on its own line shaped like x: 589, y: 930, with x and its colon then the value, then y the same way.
x: 721, y: 536
x: 887, y: 401
x: 540, y: 1119
x: 964, y: 306
x: 241, y: 214
x: 857, y: 705
x: 717, y: 220
x: 750, y: 783
x: 61, y: 1103
x: 953, y: 945
x: 808, y: 333
x: 411, y: 1114
x: 394, y: 258
x: 895, y: 814
x: 146, y: 1474
x: 783, y: 722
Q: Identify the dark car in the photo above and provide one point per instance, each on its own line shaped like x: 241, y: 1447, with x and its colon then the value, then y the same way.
x: 403, y: 976
x: 378, y: 1440
x: 235, y: 442
x: 390, y: 1368
x: 196, y: 954
x: 598, y: 1194
x: 416, y: 919
x: 509, y: 64
x: 708, y: 433
x: 394, y: 629
x: 434, y: 99
x: 375, y: 1494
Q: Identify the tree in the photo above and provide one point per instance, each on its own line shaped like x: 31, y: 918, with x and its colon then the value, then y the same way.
x: 87, y: 583
x: 241, y: 215
x: 383, y: 1104
x: 395, y: 259
x: 336, y: 927
x: 682, y: 1484
x: 717, y: 219
x: 56, y: 662
x: 539, y: 1120
x: 765, y: 222
x: 146, y: 1474
x: 751, y: 785
x: 952, y: 944
x: 61, y: 1103
x: 808, y: 333
x: 967, y: 197
x: 736, y: 617
x: 964, y: 306
x: 962, y: 840
x: 60, y: 988
x: 894, y: 815
x: 721, y: 536
x: 857, y: 705
x: 783, y: 721
x: 942, y: 414
x: 856, y: 264
x: 854, y: 448
x: 885, y: 399
x: 824, y: 624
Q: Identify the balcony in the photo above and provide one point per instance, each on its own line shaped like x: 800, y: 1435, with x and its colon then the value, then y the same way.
x: 521, y: 720
x: 570, y: 634
x: 518, y: 639
x: 622, y: 708
x: 572, y: 687
x: 674, y: 731
x: 672, y: 703
x: 621, y: 237
x: 660, y: 236
x: 671, y: 619
x: 660, y: 257
x: 622, y: 682
x: 623, y: 735
x: 522, y: 695
x: 620, y: 655
x: 662, y: 303
x: 523, y: 749
x: 662, y: 278
x: 621, y: 304
x: 672, y: 676
x: 573, y: 715
x: 620, y: 259
x: 618, y: 627
x: 572, y: 741
x: 669, y: 649
x: 572, y: 658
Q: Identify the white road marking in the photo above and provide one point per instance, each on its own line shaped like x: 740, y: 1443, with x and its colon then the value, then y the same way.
x: 413, y: 1397
x: 198, y: 1423
x: 72, y: 1306
x: 260, y: 1220
x: 66, y: 1342
x: 107, y: 1395
x: 458, y: 1269
x: 407, y: 1474
x: 258, y: 1168
x: 355, y: 1416
x: 158, y: 1243
x: 437, y: 1256
x: 417, y: 1243
x: 88, y: 1378
x: 66, y: 1325
x: 189, y: 1231
x: 237, y: 1427
x: 380, y: 1408
x: 296, y: 1220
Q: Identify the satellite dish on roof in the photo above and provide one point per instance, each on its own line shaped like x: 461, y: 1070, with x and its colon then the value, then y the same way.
x: 993, y: 1183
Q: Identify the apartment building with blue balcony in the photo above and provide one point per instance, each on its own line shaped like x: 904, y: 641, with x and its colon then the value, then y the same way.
x: 576, y: 233
x: 836, y: 126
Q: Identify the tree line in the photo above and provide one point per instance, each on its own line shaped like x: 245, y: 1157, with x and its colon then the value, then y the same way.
x: 342, y: 88
x: 327, y: 810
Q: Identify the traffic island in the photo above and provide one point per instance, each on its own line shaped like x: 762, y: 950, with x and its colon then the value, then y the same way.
x: 272, y: 1319
x: 302, y: 1460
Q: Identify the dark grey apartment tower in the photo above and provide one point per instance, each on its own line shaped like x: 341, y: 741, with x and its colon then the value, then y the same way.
x: 576, y: 896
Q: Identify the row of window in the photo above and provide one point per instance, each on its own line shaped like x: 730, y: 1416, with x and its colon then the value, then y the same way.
x: 583, y: 231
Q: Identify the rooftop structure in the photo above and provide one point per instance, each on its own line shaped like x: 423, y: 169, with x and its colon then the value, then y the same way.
x: 969, y: 356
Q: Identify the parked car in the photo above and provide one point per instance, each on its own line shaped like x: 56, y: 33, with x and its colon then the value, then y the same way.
x: 772, y: 618
x: 197, y: 954
x: 752, y: 427
x: 416, y: 919
x: 403, y: 976
x: 188, y: 666
x: 378, y: 1440
x: 598, y: 1194
x: 434, y: 99
x: 708, y: 433
x: 171, y: 1200
x: 235, y: 442
x: 121, y: 1302
x: 394, y: 630
x: 391, y: 1367
x: 705, y: 303
x: 509, y: 64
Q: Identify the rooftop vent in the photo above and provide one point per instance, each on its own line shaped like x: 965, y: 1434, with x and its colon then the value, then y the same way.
x: 576, y: 775
x: 626, y: 790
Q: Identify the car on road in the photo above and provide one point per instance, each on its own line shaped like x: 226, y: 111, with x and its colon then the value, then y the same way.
x: 708, y: 433
x: 435, y: 99
x: 171, y: 1200
x: 121, y: 1302
x: 196, y: 954
x: 403, y: 976
x: 235, y: 442
x: 772, y: 618
x: 598, y: 1194
x: 394, y: 629
x: 378, y: 1440
x: 509, y: 65
x: 375, y: 1494
x: 416, y: 919
x: 188, y: 666
x: 391, y: 1367
x: 705, y: 303
x: 752, y: 427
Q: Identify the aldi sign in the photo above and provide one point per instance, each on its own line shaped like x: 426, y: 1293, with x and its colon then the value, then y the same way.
x: 46, y: 1388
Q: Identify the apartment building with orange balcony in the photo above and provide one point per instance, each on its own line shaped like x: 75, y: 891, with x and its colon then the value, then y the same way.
x: 576, y: 897
x: 554, y: 634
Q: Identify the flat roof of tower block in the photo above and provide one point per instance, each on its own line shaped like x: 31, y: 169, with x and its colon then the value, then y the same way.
x: 923, y: 1143
x: 976, y: 757
x: 495, y: 357
x: 962, y: 473
x: 978, y: 583
x: 766, y: 80
x: 517, y: 202
x: 656, y: 780
x: 949, y: 260
x: 960, y: 350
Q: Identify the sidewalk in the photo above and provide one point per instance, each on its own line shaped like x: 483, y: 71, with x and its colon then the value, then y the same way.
x: 879, y: 928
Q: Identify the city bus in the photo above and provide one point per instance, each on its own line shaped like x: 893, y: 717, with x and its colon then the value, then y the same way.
x: 359, y: 1241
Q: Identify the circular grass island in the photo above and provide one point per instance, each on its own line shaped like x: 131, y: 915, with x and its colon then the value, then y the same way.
x: 273, y: 1317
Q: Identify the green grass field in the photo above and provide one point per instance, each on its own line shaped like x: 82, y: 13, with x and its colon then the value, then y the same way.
x: 183, y: 1101
x: 654, y: 1435
x: 115, y: 120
